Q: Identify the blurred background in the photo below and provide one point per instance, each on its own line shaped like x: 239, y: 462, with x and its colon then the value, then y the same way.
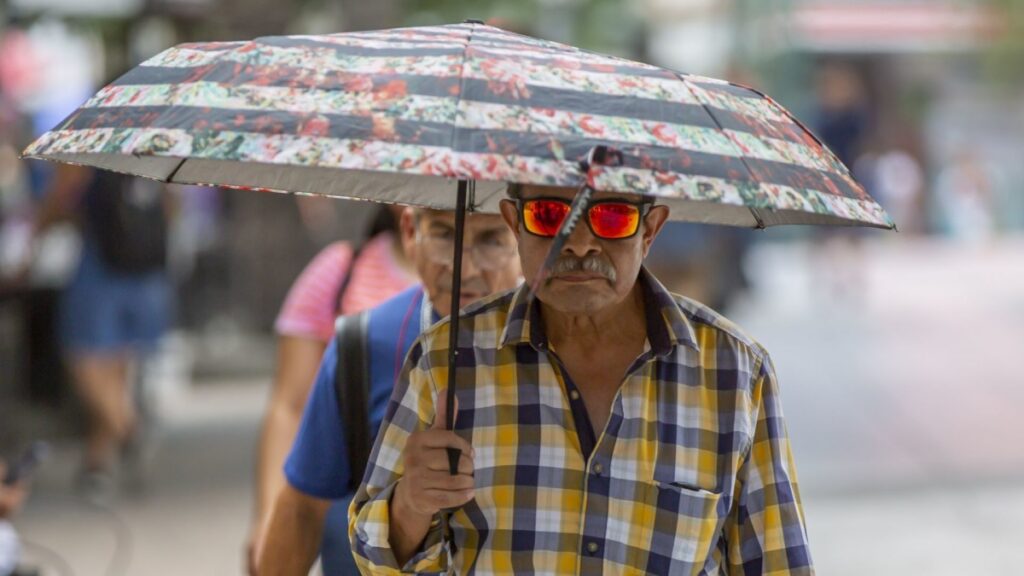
x: 897, y: 352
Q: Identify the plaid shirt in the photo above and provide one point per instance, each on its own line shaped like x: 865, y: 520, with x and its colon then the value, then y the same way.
x: 692, y: 475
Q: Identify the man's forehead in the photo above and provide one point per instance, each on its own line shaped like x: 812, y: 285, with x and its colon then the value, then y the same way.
x: 569, y: 192
x: 447, y: 218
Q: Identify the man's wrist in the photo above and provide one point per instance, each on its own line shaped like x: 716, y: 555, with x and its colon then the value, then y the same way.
x: 409, y: 527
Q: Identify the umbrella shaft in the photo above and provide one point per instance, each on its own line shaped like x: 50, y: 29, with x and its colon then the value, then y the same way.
x: 453, y: 333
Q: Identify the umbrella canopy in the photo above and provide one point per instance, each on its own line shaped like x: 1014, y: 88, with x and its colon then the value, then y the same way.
x: 400, y: 115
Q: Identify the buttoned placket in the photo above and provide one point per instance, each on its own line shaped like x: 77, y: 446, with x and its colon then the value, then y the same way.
x: 591, y: 545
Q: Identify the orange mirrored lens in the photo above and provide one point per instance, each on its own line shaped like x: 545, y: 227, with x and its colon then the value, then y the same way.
x: 544, y: 217
x: 611, y: 220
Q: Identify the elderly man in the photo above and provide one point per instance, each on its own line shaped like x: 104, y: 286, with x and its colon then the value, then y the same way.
x: 605, y: 426
x: 317, y: 470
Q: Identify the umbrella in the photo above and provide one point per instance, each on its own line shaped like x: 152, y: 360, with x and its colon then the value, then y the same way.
x: 406, y: 112
x: 406, y: 115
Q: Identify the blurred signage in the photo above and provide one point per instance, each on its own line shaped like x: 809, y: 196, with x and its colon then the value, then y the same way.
x: 876, y: 26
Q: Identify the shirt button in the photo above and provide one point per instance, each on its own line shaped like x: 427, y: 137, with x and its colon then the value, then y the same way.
x: 574, y: 395
x: 598, y: 468
x: 435, y: 522
x: 592, y: 547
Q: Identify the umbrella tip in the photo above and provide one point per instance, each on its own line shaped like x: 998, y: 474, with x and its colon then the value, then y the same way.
x: 472, y: 21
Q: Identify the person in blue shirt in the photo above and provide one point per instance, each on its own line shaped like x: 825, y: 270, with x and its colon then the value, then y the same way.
x: 310, y: 513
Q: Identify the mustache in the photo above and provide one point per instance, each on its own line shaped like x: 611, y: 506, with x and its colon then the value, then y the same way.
x: 593, y: 264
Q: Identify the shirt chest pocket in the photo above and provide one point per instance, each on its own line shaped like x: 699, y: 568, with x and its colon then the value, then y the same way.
x: 685, y: 526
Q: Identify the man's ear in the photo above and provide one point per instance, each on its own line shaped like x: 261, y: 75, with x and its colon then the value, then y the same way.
x: 653, y: 223
x: 510, y: 214
x: 407, y: 229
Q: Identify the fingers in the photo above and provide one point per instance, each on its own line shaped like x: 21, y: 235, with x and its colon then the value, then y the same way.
x: 442, y: 480
x: 421, y: 455
x: 445, y: 439
x: 438, y: 448
x: 441, y: 499
x: 428, y: 491
x: 455, y: 446
x: 440, y: 419
x: 437, y: 461
x: 429, y: 485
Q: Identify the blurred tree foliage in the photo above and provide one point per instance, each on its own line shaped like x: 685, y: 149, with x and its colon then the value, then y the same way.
x: 609, y: 26
x: 1005, y: 57
x: 517, y: 15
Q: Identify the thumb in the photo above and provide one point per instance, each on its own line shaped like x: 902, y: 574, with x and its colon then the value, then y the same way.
x: 441, y: 416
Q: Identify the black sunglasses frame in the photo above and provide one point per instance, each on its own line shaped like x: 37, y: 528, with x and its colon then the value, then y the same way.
x: 643, y: 206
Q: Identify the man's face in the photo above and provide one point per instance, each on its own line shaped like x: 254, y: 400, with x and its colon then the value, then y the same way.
x: 591, y: 273
x: 489, y: 262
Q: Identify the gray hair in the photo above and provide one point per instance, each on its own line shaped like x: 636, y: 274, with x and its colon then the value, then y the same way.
x: 514, y: 190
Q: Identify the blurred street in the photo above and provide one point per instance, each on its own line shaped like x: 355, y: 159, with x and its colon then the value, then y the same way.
x: 902, y: 406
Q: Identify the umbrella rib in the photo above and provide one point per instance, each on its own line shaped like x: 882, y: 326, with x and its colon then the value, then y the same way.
x: 743, y: 159
x: 462, y: 89
x: 170, y: 177
x: 760, y: 222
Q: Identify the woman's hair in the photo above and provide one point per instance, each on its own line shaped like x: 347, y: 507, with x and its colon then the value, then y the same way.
x: 383, y: 221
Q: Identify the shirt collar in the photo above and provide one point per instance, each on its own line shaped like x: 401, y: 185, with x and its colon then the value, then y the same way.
x: 428, y: 315
x: 667, y: 326
x: 517, y: 324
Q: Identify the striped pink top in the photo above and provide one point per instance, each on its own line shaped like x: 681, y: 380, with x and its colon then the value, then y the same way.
x: 311, y: 305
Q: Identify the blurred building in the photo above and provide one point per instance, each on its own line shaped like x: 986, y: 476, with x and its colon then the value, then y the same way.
x: 233, y: 254
x: 924, y: 69
x: 60, y: 52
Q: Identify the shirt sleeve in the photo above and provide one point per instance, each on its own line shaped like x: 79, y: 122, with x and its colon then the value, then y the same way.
x: 318, y: 462
x: 410, y: 409
x: 765, y: 532
x: 311, y: 306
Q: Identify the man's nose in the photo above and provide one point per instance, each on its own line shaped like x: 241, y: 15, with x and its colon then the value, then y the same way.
x: 470, y: 269
x: 581, y: 242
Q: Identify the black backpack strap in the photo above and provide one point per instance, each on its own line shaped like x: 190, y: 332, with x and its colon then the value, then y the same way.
x: 352, y: 387
x: 343, y: 287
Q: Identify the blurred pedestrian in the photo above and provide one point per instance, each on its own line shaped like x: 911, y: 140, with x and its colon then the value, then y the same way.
x: 320, y: 472
x: 344, y: 278
x: 842, y: 120
x: 965, y: 198
x: 898, y: 185
x: 116, y: 306
x: 12, y: 497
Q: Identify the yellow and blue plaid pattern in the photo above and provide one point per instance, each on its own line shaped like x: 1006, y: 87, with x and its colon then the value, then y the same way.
x: 692, y: 475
